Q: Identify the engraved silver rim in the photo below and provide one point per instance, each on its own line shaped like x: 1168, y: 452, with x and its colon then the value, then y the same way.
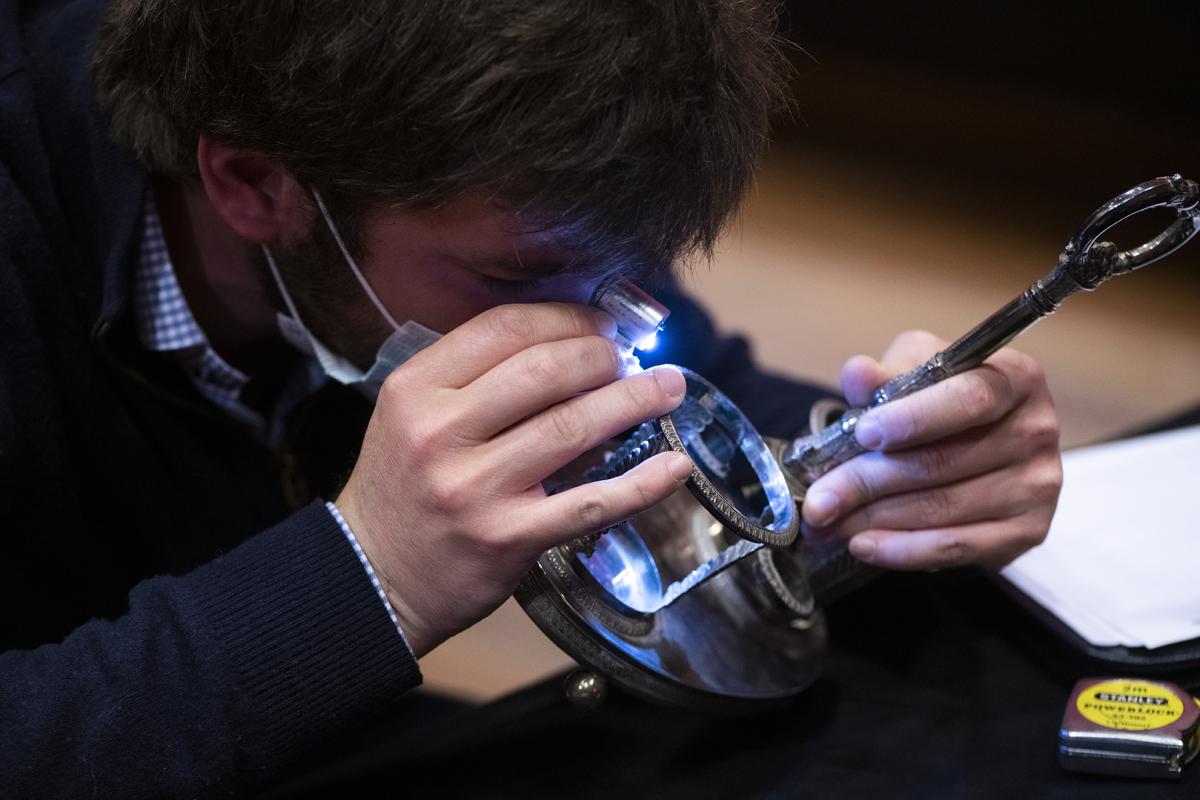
x: 760, y: 457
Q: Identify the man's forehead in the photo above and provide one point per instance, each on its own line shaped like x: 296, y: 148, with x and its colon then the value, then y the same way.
x: 480, y: 233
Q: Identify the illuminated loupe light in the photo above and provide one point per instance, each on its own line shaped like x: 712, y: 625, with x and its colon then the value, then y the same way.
x: 647, y: 343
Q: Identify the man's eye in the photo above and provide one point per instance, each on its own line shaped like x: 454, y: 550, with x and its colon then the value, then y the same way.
x: 510, y: 288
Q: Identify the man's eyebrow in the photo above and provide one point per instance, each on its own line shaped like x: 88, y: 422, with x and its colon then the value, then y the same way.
x: 534, y: 268
x: 514, y: 263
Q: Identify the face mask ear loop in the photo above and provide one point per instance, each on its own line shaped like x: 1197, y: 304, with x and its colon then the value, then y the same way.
x: 362, y: 281
x: 287, y: 297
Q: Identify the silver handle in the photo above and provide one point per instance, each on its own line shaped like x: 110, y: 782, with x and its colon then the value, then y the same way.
x: 1083, y: 265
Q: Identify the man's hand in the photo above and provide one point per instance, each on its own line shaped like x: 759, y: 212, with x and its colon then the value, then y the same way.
x: 446, y: 498
x: 966, y: 471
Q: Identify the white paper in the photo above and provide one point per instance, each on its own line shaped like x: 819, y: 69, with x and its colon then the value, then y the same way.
x: 1121, y: 565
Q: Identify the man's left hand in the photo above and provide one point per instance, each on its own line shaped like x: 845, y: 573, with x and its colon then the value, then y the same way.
x: 965, y: 471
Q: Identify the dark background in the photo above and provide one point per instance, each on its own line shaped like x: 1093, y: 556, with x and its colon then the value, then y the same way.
x: 1140, y: 56
x: 1053, y: 105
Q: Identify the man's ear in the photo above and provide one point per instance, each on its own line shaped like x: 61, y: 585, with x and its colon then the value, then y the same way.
x: 256, y: 196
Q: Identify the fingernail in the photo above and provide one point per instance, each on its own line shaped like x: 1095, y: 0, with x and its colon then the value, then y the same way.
x: 606, y: 323
x: 670, y: 380
x: 862, y: 548
x: 821, y: 508
x: 868, y: 432
x: 680, y: 467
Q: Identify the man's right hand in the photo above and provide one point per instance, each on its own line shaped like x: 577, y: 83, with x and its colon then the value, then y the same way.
x: 446, y: 497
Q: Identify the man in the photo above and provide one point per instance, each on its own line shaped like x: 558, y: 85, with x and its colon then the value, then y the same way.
x: 218, y: 559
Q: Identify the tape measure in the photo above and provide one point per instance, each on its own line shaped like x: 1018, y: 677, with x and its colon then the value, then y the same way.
x: 1129, y: 726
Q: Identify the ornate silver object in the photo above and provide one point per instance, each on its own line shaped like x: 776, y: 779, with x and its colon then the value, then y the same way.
x: 1083, y: 265
x: 708, y: 599
x: 735, y: 476
x: 666, y: 604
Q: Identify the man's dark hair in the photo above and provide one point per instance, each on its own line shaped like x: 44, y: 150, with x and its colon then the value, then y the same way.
x: 634, y: 123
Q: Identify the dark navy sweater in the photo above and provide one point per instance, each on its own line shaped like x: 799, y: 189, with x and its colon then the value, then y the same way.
x: 181, y: 616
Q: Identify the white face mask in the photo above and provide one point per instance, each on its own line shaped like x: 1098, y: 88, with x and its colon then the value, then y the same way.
x: 404, y: 342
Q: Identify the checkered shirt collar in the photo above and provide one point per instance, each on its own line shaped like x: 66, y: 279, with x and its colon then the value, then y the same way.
x: 164, y: 321
x: 165, y: 324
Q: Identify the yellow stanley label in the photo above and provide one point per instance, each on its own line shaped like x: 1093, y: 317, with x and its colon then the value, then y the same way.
x: 1129, y: 705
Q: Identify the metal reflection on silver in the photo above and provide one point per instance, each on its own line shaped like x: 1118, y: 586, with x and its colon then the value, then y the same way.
x: 727, y: 628
x: 737, y: 478
x: 623, y: 565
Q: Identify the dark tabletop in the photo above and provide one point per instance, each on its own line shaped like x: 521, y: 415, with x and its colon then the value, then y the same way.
x: 936, y: 685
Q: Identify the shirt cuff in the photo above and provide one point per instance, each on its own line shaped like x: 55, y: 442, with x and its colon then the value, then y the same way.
x: 362, y: 558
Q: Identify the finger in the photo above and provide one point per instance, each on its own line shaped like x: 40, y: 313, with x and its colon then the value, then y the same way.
x: 527, y: 453
x: 532, y: 380
x: 471, y: 349
x: 976, y: 397
x: 1002, y: 494
x: 1026, y: 436
x: 1023, y: 372
x: 861, y: 375
x: 599, y: 505
x: 989, y: 543
x: 874, y: 475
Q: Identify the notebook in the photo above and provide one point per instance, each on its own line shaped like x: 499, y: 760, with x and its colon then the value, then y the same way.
x: 1119, y: 573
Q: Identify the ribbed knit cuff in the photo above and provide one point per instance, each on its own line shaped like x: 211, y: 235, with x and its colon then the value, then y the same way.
x: 310, y: 645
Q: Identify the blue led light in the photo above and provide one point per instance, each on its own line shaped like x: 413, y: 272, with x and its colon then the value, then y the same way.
x: 647, y: 343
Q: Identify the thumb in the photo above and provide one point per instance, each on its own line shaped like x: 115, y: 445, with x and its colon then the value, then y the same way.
x: 860, y: 376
